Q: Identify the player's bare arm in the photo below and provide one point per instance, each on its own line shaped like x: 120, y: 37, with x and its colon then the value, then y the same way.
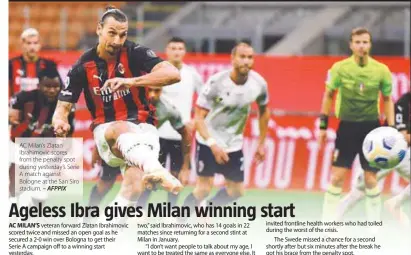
x: 264, y: 117
x: 60, y: 118
x: 186, y: 139
x: 14, y: 116
x: 388, y: 106
x: 325, y: 112
x: 162, y: 74
x: 220, y: 155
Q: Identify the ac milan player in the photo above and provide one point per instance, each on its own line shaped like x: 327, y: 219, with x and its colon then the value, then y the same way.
x: 24, y: 69
x: 166, y: 111
x: 114, y: 76
x: 35, y: 109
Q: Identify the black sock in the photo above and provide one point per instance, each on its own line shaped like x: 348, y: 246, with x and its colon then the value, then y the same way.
x: 96, y: 197
x: 142, y: 200
x: 222, y: 198
x: 172, y: 198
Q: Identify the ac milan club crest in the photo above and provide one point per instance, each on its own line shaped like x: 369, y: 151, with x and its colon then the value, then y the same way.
x: 120, y: 68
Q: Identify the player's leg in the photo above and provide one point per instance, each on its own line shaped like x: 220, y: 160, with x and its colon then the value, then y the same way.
x: 234, y: 177
x: 206, y: 168
x: 394, y: 204
x: 12, y: 172
x: 164, y: 152
x: 176, y: 162
x: 138, y: 145
x: 200, y: 192
x: 404, y: 168
x: 372, y: 190
x: 131, y: 188
x: 108, y: 176
x: 342, y: 161
x: 12, y: 175
x: 357, y: 193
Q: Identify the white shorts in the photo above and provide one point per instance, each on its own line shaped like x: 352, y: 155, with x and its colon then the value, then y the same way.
x: 149, y: 135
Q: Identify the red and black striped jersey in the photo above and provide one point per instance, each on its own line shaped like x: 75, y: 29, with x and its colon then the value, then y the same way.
x: 24, y: 76
x: 89, y: 74
x: 36, y: 114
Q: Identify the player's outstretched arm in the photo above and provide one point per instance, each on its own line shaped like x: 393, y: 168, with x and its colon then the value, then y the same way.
x: 60, y: 118
x: 162, y: 74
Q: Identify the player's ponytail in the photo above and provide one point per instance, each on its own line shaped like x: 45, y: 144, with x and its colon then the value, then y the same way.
x: 112, y: 11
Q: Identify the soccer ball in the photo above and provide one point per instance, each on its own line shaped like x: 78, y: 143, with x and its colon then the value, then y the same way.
x: 384, y: 147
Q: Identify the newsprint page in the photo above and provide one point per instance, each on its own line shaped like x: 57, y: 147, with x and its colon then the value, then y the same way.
x: 207, y: 128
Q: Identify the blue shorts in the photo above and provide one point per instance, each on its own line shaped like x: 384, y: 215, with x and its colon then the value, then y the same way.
x: 207, y: 166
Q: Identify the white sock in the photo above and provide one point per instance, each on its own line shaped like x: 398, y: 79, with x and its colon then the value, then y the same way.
x: 348, y: 201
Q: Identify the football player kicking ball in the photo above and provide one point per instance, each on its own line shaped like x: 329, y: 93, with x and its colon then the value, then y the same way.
x: 221, y: 113
x: 402, y: 114
x: 115, y: 88
x: 165, y: 111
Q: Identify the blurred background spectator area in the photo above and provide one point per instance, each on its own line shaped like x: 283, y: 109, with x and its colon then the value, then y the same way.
x: 273, y: 28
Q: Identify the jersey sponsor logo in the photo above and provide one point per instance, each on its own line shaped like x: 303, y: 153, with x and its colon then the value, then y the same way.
x: 120, y: 68
x: 107, y: 95
x: 27, y: 84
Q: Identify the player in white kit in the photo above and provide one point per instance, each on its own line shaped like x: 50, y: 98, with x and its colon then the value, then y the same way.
x: 402, y: 118
x: 181, y: 95
x: 221, y: 113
